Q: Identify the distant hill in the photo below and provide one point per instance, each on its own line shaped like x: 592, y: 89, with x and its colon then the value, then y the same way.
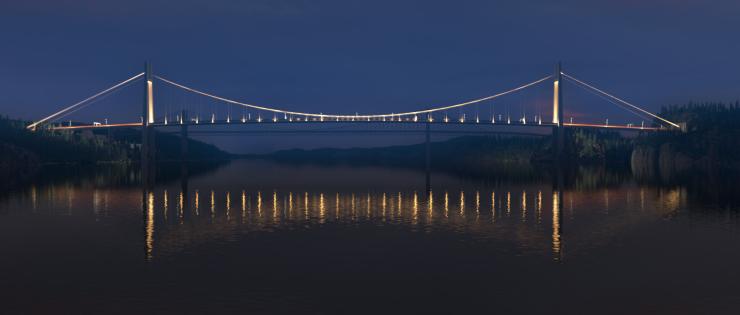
x: 584, y: 146
x: 470, y: 154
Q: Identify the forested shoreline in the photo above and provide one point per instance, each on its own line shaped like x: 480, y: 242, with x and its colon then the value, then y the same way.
x: 711, y: 141
x: 23, y: 152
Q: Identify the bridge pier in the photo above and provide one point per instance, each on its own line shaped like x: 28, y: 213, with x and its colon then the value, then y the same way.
x: 428, y: 158
x: 184, y: 152
x: 148, y: 148
x: 184, y: 136
x: 148, y: 159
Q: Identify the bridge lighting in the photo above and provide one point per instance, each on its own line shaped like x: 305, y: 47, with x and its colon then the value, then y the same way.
x: 274, y: 118
x: 106, y: 121
x: 508, y: 120
x: 213, y: 118
x: 642, y: 124
x: 416, y: 118
x: 447, y: 119
x: 524, y: 120
x: 477, y: 119
x: 165, y: 120
x: 244, y: 120
x: 607, y: 121
x: 571, y: 120
x: 228, y: 119
x: 259, y: 118
x: 462, y: 118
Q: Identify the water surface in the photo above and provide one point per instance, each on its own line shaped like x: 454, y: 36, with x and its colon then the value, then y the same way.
x: 259, y: 237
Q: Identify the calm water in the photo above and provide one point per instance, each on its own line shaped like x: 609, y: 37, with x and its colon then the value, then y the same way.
x: 257, y: 237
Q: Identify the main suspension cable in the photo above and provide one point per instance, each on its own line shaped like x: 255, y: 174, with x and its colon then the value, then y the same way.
x: 622, y: 101
x: 367, y: 116
x: 67, y: 109
x: 603, y: 97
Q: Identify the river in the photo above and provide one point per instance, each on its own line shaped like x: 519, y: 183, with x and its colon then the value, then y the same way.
x: 260, y: 237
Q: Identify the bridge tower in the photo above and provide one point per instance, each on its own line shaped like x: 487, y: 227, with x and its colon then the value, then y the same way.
x: 148, y: 150
x: 558, y: 132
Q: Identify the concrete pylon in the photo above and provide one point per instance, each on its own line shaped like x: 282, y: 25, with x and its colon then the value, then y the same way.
x: 148, y: 149
x: 558, y: 133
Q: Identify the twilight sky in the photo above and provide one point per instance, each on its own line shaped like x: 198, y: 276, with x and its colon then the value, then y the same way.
x: 367, y: 56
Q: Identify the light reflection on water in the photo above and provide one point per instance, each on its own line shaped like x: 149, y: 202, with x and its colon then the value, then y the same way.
x: 255, y: 219
x: 539, y: 231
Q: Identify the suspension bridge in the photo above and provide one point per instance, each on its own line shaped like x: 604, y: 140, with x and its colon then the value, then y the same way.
x: 214, y: 110
x: 251, y: 113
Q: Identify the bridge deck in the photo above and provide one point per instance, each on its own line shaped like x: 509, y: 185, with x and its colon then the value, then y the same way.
x: 326, y: 122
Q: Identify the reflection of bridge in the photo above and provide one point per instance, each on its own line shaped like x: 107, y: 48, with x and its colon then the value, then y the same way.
x: 264, y: 210
x: 240, y: 113
x: 530, y: 214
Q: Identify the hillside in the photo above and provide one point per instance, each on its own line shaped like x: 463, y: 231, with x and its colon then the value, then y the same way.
x: 23, y: 153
